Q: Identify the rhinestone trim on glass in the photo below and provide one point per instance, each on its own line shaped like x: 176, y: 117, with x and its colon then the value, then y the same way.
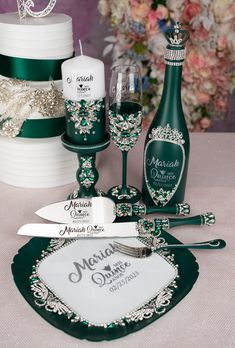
x: 125, y: 129
x: 115, y: 191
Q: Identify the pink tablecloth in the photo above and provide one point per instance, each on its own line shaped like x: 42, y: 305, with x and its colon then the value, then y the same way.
x: 205, y: 318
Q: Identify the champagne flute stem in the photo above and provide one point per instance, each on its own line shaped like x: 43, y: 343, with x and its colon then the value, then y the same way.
x: 124, y: 171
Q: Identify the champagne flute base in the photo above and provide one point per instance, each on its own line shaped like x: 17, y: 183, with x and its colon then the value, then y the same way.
x: 130, y: 195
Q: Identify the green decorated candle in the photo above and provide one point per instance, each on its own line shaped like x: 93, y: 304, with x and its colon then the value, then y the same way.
x: 84, y: 93
x: 166, y: 152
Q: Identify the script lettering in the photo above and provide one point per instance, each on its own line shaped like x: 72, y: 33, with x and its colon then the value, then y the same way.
x: 89, y: 264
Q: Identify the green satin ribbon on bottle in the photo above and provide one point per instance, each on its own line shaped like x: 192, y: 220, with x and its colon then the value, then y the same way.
x: 31, y: 69
x: 42, y: 128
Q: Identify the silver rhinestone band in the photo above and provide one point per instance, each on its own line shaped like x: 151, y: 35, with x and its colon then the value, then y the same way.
x: 175, y: 57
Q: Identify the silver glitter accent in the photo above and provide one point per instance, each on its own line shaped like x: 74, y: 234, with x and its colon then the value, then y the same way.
x: 167, y: 133
x: 49, y: 102
x: 174, y: 63
x: 86, y: 177
x: 183, y: 209
x: 162, y: 223
x: 208, y: 219
x: 139, y: 209
x: 161, y: 196
x: 146, y: 226
x: 116, y: 192
x: 175, y: 57
x: 20, y: 100
x: 123, y: 209
x: 10, y: 128
x: 84, y: 113
x: 24, y: 8
x: 128, y: 209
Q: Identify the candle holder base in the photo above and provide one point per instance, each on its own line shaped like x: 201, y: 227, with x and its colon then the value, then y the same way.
x: 87, y: 174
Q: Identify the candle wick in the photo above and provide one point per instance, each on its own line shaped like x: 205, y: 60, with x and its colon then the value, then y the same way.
x: 80, y: 45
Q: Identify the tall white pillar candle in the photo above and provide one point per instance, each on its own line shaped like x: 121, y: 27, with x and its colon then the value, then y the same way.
x: 84, y: 92
x: 83, y: 78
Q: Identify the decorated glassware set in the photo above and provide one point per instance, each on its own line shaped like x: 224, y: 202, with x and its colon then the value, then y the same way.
x: 165, y: 169
x: 84, y: 93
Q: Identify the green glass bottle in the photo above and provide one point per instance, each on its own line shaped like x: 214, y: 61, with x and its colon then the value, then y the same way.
x: 166, y: 151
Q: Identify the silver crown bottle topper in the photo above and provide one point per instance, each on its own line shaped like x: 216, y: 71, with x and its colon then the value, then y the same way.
x: 24, y: 8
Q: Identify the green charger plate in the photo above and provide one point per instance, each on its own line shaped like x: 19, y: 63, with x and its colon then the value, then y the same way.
x: 28, y: 255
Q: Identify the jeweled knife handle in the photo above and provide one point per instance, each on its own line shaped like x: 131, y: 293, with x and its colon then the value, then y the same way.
x: 154, y: 226
x: 140, y: 209
x: 205, y: 219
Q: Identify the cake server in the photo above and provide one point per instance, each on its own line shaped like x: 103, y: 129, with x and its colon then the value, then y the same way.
x: 144, y: 227
x: 101, y: 209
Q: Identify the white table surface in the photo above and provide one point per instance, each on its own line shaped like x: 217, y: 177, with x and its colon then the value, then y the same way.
x: 204, y: 318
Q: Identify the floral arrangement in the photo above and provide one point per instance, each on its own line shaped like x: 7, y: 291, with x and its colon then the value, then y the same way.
x: 208, y: 74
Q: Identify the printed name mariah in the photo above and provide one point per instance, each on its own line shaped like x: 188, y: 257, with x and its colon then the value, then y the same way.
x: 74, y: 205
x: 165, y: 164
x: 84, y: 78
x: 90, y: 229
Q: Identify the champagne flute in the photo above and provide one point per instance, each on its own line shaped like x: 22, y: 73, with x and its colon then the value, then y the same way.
x: 125, y: 118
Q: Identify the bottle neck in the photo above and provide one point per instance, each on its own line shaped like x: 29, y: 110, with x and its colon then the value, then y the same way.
x: 172, y: 81
x: 171, y: 95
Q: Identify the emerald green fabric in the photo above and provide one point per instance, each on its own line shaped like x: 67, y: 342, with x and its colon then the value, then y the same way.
x: 31, y: 69
x: 43, y: 128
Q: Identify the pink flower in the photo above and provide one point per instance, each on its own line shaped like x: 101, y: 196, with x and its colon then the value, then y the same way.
x: 190, y: 11
x: 203, y: 98
x: 161, y: 12
x: 196, y: 60
x: 140, y: 11
x: 221, y: 104
x: 221, y: 80
x: 152, y: 17
x: 205, y: 123
x: 222, y: 42
x: 205, y: 73
x: 197, y: 127
x: 201, y: 33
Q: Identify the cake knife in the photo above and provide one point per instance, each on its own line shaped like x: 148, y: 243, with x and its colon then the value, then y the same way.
x: 144, y: 228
